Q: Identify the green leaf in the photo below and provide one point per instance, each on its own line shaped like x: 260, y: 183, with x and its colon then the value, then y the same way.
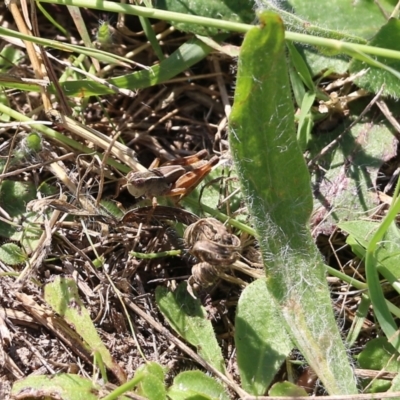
x: 395, y: 386
x: 151, y: 37
x: 152, y: 388
x: 346, y: 190
x: 379, y: 355
x: 360, y: 18
x: 62, y: 386
x: 360, y: 232
x: 301, y: 67
x: 14, y: 196
x: 286, y: 389
x: 9, y: 56
x: 305, y: 120
x: 388, y: 37
x: 227, y: 10
x: 187, y: 317
x: 62, y: 295
x: 34, y: 142
x: 276, y: 184
x: 195, y: 385
x: 300, y: 16
x: 387, y: 255
x: 319, y: 62
x: 12, y: 254
x: 262, y: 343
x: 151, y: 385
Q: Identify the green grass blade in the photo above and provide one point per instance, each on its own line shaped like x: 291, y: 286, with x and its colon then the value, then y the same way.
x: 151, y: 36
x: 51, y: 19
x: 89, y: 51
x: 301, y: 67
x: 381, y: 308
x: 183, y: 58
x: 276, y: 182
x: 80, y: 25
x: 12, y: 82
x: 59, y: 137
x: 358, y: 322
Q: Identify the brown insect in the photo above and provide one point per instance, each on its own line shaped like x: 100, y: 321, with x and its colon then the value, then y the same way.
x: 176, y: 178
x: 211, y: 243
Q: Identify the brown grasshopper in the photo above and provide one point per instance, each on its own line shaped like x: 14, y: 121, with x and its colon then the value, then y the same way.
x: 175, y: 178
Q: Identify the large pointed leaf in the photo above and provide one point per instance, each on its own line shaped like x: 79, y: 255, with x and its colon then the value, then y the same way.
x: 275, y: 180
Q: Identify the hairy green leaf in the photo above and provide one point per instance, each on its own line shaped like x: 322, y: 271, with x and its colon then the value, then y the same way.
x: 276, y: 183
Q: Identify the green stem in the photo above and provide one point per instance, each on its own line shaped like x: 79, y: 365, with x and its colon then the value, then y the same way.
x: 151, y: 256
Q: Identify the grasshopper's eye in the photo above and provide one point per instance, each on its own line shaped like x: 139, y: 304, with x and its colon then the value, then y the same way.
x: 139, y: 182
